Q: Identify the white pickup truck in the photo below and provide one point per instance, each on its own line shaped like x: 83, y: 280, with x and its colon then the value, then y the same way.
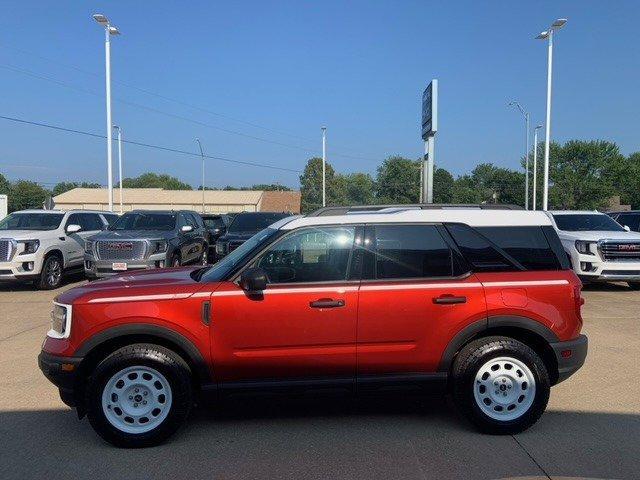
x: 599, y: 248
x: 41, y: 245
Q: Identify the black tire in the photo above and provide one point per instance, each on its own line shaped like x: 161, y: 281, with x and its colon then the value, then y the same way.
x: 469, y: 362
x: 51, y: 274
x: 176, y: 260
x: 169, y: 364
x: 634, y: 285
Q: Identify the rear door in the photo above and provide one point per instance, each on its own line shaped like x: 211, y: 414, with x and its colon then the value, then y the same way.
x: 303, y: 326
x: 416, y: 293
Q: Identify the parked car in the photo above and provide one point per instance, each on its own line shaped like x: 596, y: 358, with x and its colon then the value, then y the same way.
x: 242, y: 228
x: 629, y: 219
x: 144, y: 239
x: 599, y: 248
x: 216, y: 225
x: 483, y: 303
x: 42, y: 245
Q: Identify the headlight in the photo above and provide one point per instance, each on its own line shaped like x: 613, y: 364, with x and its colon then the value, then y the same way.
x: 158, y: 246
x: 60, y: 321
x: 88, y: 246
x: 221, y: 248
x: 585, y: 247
x: 30, y: 246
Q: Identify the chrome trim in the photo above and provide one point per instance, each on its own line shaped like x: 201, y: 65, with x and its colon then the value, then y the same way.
x: 12, y: 247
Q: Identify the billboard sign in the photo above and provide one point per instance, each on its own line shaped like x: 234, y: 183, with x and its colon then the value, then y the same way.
x: 430, y: 110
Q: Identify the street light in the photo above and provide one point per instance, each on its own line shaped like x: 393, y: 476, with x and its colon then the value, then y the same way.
x: 202, y: 155
x: 116, y: 127
x: 548, y: 35
x: 526, y: 152
x: 108, y: 31
x: 535, y: 163
x: 324, y: 167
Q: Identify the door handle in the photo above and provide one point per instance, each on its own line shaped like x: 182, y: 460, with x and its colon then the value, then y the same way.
x: 326, y: 303
x: 449, y: 300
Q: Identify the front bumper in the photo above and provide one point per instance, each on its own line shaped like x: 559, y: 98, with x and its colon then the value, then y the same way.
x: 62, y: 372
x: 570, y: 356
x: 593, y: 268
x: 94, y: 268
x: 21, y: 268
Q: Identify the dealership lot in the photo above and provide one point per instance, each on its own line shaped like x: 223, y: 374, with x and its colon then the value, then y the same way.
x: 590, y: 429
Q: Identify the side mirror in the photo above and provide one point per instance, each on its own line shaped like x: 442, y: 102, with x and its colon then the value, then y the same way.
x: 186, y: 229
x: 626, y: 227
x: 73, y: 228
x: 253, y: 280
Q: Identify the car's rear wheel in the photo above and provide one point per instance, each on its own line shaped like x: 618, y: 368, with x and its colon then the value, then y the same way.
x: 139, y: 395
x: 51, y: 274
x: 500, y: 384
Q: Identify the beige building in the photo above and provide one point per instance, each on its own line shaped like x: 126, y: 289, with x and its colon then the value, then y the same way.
x: 216, y: 201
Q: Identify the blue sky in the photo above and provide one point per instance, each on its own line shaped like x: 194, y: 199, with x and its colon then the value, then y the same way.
x: 358, y: 67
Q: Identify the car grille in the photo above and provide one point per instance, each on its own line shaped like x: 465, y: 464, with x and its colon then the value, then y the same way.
x: 620, y: 251
x: 121, y: 250
x: 234, y: 245
x: 6, y: 250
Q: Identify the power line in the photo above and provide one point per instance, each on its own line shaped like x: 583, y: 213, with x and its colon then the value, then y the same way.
x: 146, y: 145
x: 180, y: 117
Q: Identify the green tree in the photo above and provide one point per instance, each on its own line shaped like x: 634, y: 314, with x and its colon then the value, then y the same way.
x: 490, y: 184
x: 578, y: 174
x: 271, y: 187
x: 26, y: 194
x: 154, y: 180
x: 623, y: 173
x: 66, y: 186
x: 5, y: 185
x: 442, y: 186
x: 311, y: 186
x: 398, y: 181
x: 359, y: 188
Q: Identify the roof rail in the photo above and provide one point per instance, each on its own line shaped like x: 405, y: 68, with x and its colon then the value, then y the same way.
x: 344, y: 210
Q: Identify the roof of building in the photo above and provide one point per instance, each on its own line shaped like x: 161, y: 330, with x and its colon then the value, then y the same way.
x: 160, y: 195
x: 471, y: 217
x: 277, y: 201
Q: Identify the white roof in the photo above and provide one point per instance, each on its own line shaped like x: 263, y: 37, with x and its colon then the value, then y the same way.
x: 575, y: 212
x: 471, y: 217
x: 38, y: 210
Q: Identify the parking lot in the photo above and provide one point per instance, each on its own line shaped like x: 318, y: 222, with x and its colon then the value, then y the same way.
x: 591, y: 428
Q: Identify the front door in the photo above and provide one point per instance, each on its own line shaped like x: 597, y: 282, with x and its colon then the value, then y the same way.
x: 90, y: 224
x: 303, y: 325
x: 415, y: 294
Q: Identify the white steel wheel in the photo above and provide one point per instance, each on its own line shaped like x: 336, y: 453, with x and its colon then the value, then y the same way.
x: 504, y: 388
x: 136, y: 399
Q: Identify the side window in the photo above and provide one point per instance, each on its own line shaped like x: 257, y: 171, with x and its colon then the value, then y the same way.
x: 182, y: 221
x: 630, y: 220
x: 412, y: 251
x: 110, y: 218
x: 527, y: 245
x: 74, y: 219
x: 477, y: 251
x: 319, y: 254
x: 92, y: 222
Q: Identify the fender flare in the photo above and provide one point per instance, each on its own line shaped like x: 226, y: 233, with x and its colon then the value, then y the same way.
x: 473, y: 329
x: 195, y: 358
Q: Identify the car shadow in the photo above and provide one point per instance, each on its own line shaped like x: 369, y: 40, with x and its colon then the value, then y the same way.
x: 326, y: 438
x: 67, y: 280
x: 607, y: 287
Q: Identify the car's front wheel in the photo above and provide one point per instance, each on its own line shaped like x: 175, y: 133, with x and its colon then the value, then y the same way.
x: 139, y: 395
x: 500, y: 384
x: 51, y: 274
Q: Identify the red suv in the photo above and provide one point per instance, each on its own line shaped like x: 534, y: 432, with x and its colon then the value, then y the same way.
x: 479, y: 303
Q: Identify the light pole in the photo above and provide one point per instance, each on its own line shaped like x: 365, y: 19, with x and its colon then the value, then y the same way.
x: 548, y: 35
x: 116, y: 127
x: 202, y: 155
x: 324, y: 166
x: 526, y: 153
x: 535, y: 163
x: 108, y: 31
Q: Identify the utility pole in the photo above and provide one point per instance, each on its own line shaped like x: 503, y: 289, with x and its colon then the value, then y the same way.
x: 535, y: 163
x: 324, y: 166
x: 526, y: 153
x: 429, y: 129
x: 202, y: 156
x: 116, y: 127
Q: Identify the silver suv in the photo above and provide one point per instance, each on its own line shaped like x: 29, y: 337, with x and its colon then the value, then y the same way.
x: 145, y: 239
x: 41, y: 245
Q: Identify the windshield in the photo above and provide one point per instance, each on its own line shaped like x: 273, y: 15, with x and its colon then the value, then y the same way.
x: 213, y: 222
x: 31, y: 221
x: 222, y: 268
x: 589, y: 222
x: 254, y: 222
x: 145, y: 221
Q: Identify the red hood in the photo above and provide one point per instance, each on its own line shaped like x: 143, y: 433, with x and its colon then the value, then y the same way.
x: 172, y: 281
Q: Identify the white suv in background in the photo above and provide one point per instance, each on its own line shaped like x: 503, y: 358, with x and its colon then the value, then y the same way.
x: 40, y: 245
x: 600, y: 249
